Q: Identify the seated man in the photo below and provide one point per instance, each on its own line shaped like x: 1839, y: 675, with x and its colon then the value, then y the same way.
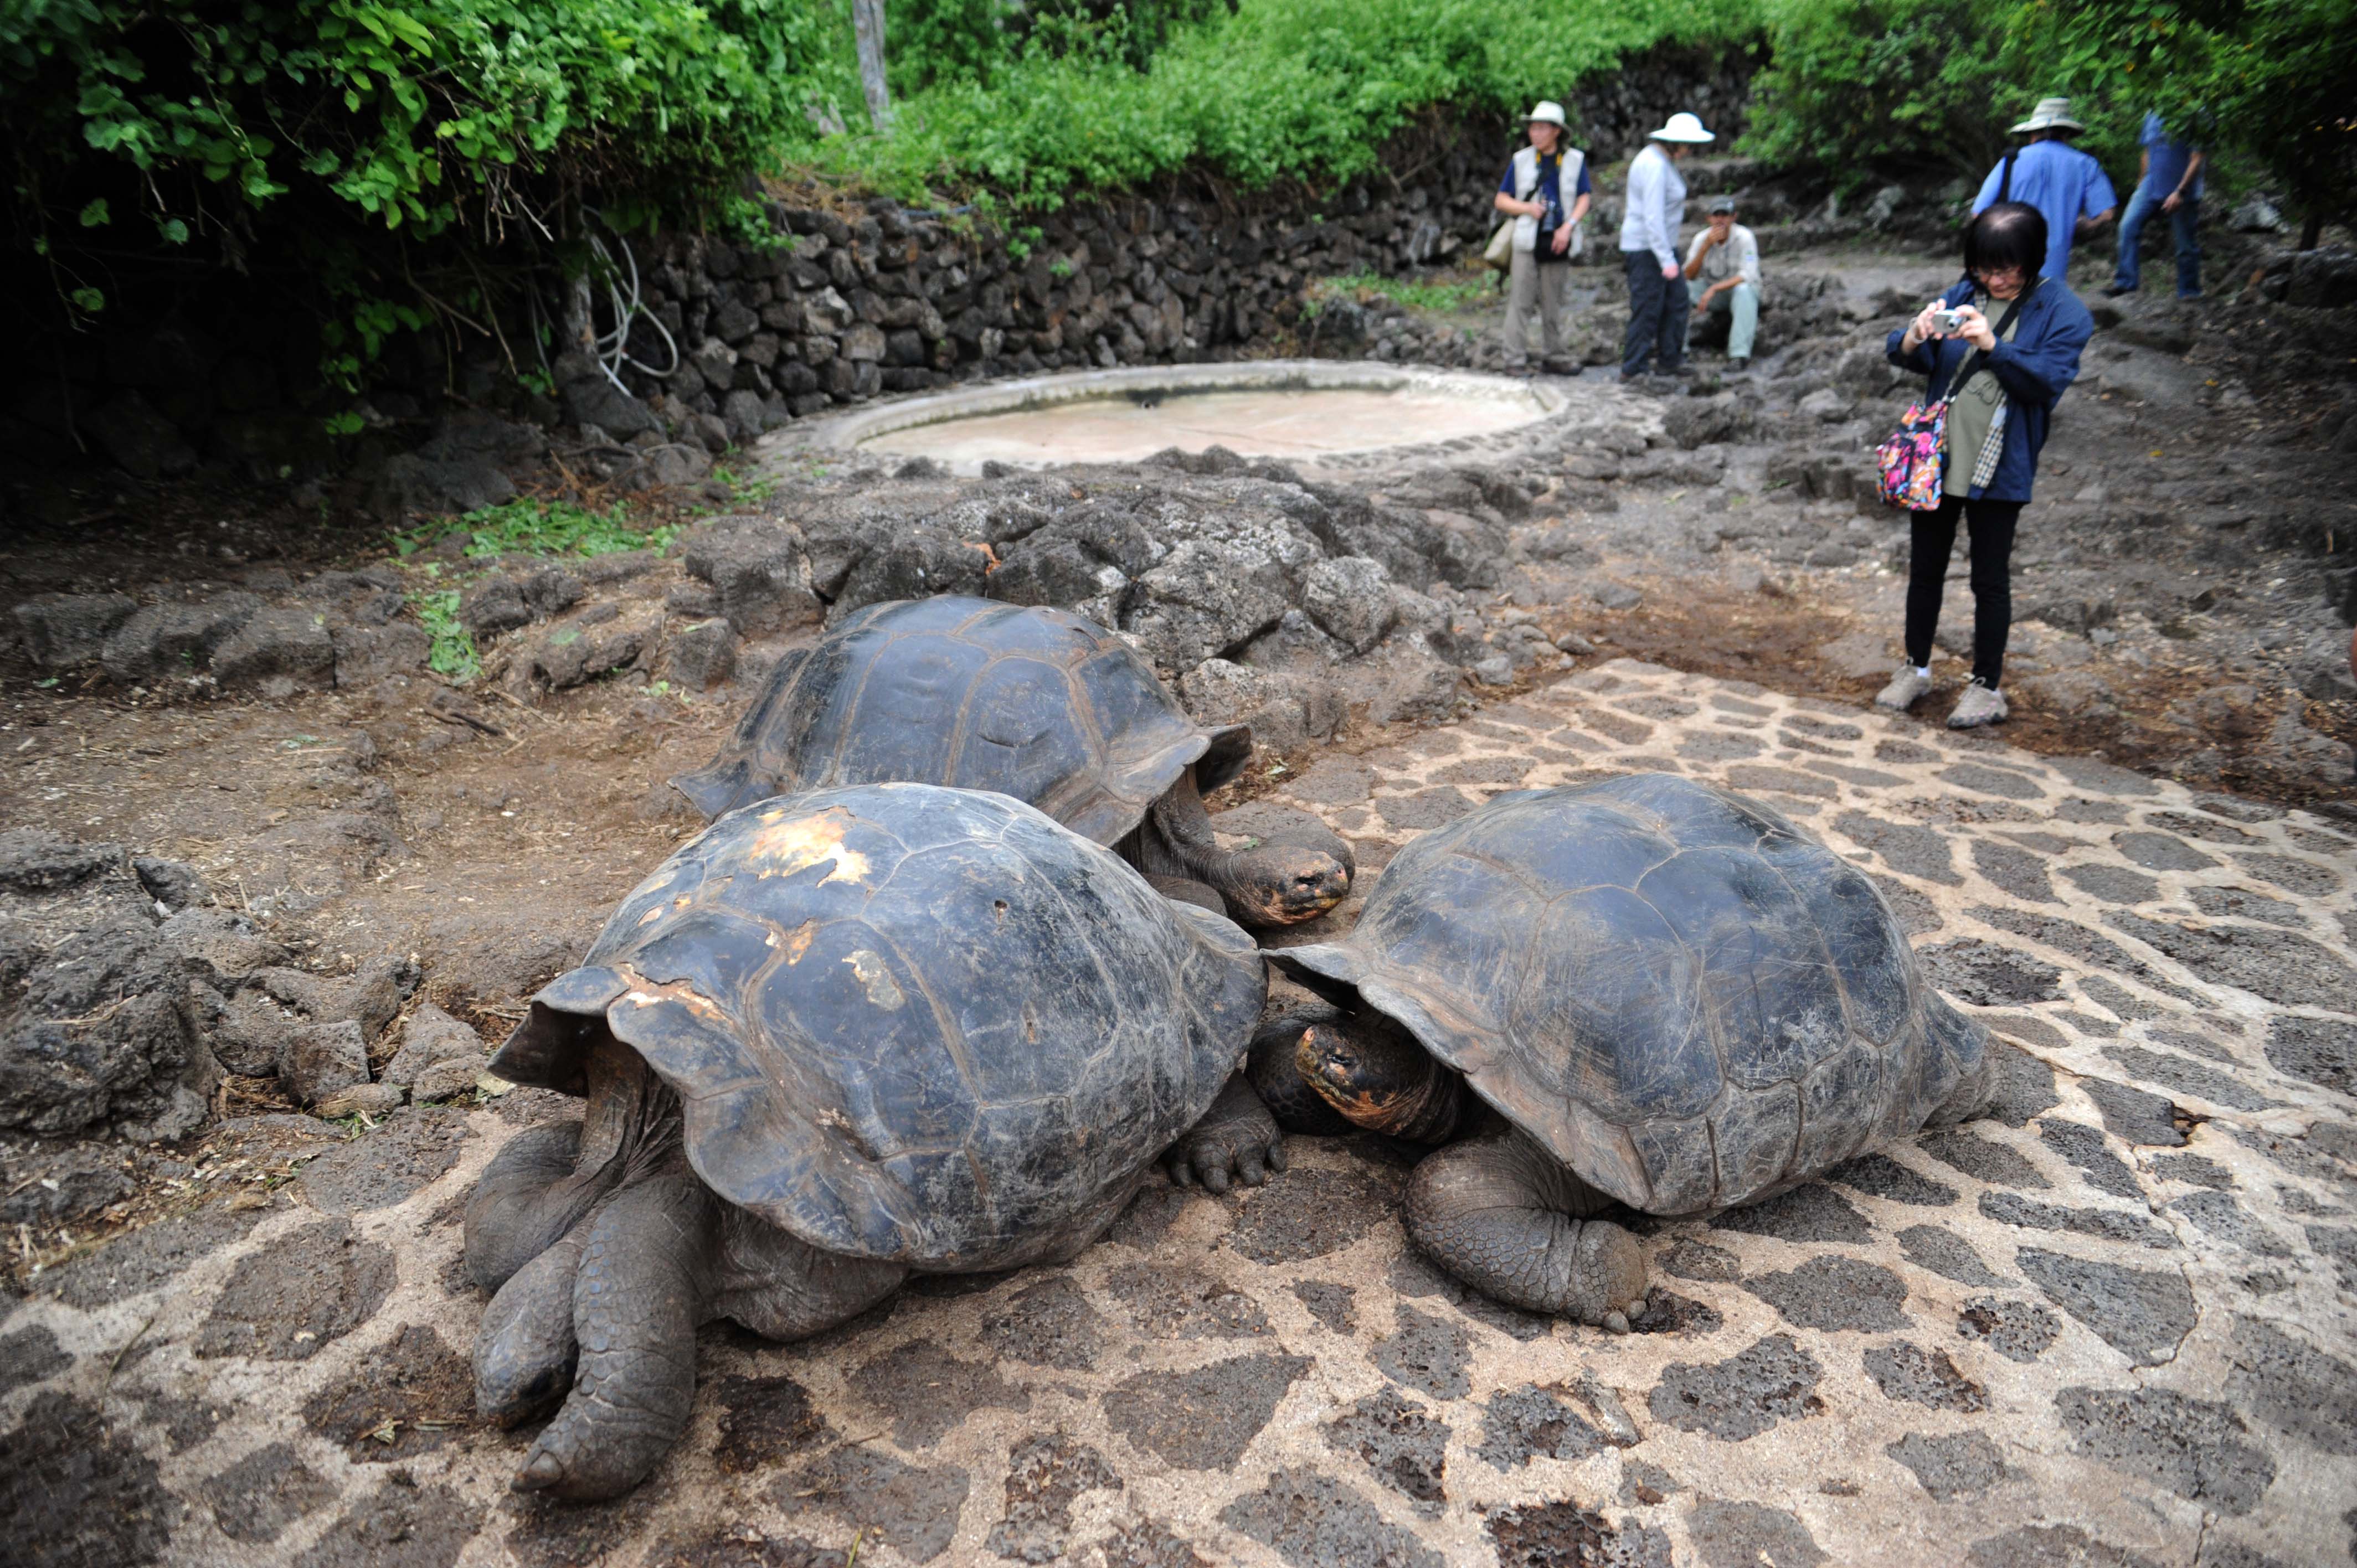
x: 1726, y: 256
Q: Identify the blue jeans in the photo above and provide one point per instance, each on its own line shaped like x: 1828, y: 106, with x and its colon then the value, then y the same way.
x: 1740, y: 306
x: 1657, y: 316
x: 2183, y: 223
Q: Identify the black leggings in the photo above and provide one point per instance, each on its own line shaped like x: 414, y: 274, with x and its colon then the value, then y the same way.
x: 1932, y: 538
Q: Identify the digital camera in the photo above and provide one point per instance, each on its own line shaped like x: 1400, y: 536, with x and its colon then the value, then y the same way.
x: 1947, y: 323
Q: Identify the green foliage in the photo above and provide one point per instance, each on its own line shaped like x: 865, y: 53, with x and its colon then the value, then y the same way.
x: 341, y: 134
x: 2273, y: 80
x: 1283, y: 88
x: 1864, y: 89
x: 1440, y: 298
x: 934, y: 42
x: 529, y: 526
x: 453, y: 654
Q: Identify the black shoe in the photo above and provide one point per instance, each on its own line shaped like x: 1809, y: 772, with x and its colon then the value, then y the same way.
x: 1561, y: 367
x: 2117, y: 289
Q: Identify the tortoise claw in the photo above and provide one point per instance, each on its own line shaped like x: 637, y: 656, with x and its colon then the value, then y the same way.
x: 538, y: 1473
x: 1615, y: 1324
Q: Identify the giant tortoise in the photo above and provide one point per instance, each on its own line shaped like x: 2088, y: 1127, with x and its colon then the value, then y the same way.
x: 1675, y: 999
x: 836, y: 1040
x: 1037, y: 704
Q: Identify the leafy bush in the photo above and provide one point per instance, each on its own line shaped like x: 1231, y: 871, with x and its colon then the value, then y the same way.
x: 1283, y: 88
x: 1867, y: 88
x: 2272, y: 80
x: 940, y: 40
x: 347, y: 134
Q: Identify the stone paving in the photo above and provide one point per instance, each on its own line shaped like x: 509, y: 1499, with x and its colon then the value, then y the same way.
x: 2111, y: 1324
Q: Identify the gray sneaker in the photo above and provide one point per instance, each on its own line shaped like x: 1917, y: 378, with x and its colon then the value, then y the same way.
x: 1979, y: 705
x: 1905, y: 688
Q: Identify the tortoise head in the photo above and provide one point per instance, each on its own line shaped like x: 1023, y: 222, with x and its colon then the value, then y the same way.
x: 1284, y: 884
x: 1368, y: 1067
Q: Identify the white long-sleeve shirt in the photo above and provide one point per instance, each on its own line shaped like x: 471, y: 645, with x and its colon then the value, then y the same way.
x: 1656, y: 206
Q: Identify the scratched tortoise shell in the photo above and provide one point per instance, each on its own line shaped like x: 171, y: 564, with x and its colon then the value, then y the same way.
x: 1037, y: 704
x: 1680, y: 994
x: 907, y: 1023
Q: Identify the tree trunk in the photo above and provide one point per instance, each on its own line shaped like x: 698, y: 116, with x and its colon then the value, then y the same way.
x: 867, y: 25
x: 2311, y: 234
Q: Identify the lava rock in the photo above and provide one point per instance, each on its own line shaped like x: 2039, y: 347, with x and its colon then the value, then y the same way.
x: 65, y: 631
x: 278, y: 650
x: 321, y: 1059
x: 760, y: 569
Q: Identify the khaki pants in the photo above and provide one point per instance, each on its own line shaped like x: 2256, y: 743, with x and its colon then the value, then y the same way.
x: 1533, y: 285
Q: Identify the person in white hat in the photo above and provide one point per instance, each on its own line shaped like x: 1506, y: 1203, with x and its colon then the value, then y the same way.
x: 1649, y: 248
x: 2068, y: 187
x: 1546, y: 192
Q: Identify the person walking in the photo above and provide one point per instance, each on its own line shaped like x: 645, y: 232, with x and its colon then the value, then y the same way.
x: 2170, y: 181
x: 1726, y: 259
x: 2069, y: 187
x: 1547, y: 235
x: 1655, y: 210
x: 2013, y: 372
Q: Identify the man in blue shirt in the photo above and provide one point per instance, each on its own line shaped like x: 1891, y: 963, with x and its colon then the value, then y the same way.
x: 2170, y: 181
x: 2066, y: 186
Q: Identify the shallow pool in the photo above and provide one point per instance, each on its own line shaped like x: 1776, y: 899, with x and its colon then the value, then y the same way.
x: 1259, y: 422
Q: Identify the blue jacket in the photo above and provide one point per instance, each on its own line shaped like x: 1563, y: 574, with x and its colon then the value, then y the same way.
x: 2034, y: 367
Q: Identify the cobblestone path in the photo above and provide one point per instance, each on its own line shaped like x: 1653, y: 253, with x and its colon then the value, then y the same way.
x: 2111, y: 1324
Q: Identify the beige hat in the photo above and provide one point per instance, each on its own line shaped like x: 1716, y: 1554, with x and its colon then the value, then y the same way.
x: 1548, y: 111
x: 2052, y: 114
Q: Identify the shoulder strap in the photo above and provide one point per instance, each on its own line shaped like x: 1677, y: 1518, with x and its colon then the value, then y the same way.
x: 1972, y: 363
x: 2005, y: 183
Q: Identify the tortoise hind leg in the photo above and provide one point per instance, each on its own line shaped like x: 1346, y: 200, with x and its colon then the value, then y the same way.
x: 640, y: 1293
x: 1505, y: 1217
x: 1968, y: 1048
x: 1237, y: 1139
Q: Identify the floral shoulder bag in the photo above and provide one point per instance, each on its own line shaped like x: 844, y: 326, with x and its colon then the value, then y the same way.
x: 1912, y: 458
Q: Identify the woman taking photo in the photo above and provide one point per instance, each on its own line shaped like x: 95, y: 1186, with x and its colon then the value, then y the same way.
x: 2015, y: 337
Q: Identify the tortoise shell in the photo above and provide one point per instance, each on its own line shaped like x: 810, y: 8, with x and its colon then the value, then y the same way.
x: 906, y: 1022
x: 1684, y: 997
x: 1037, y: 704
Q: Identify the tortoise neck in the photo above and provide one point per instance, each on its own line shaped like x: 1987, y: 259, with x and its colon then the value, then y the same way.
x: 632, y: 1123
x: 1176, y: 839
x: 1429, y: 1112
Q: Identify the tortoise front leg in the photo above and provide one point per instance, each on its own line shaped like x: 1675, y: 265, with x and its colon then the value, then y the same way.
x: 641, y: 1289
x: 530, y: 1195
x: 1505, y: 1217
x: 1237, y: 1138
x: 525, y: 1350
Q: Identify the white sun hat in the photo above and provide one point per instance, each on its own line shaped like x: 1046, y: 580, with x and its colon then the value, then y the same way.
x: 1683, y: 128
x: 2052, y: 114
x: 1548, y: 111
